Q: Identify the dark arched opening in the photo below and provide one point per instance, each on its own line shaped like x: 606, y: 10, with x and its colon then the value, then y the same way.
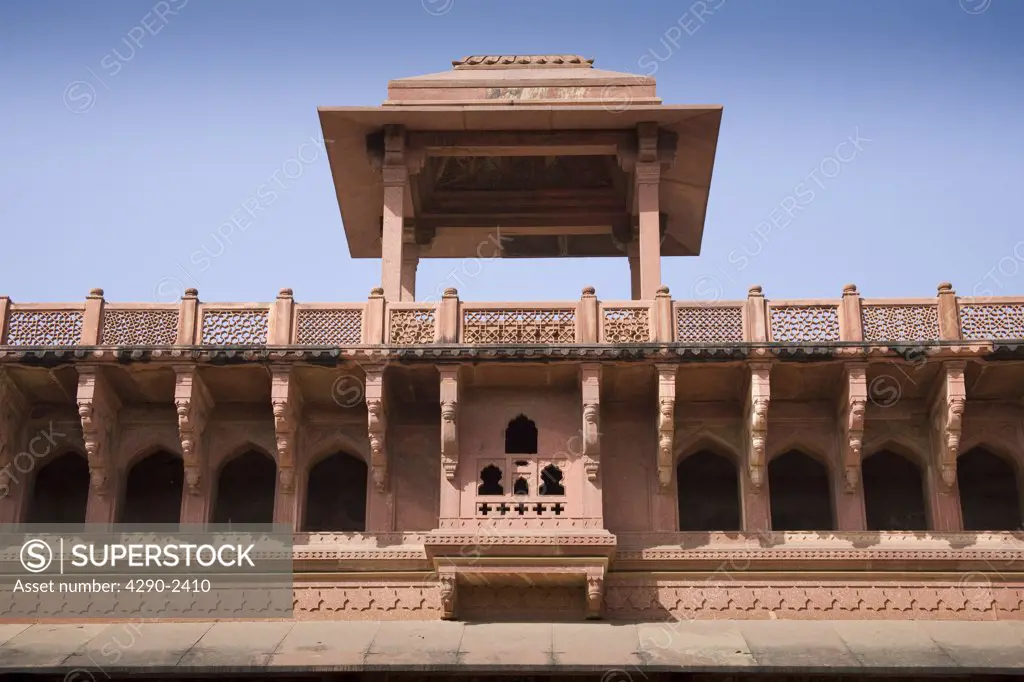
x: 893, y: 493
x: 490, y: 481
x: 521, y: 437
x: 551, y: 481
x: 153, y: 490
x: 245, y: 490
x: 336, y: 494
x: 989, y: 498
x: 800, y: 493
x: 60, y: 491
x: 709, y: 494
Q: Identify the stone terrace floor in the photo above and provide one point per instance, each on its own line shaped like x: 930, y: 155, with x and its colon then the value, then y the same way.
x: 616, y: 652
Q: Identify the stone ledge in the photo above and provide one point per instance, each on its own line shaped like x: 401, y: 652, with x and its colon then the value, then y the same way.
x: 848, y: 647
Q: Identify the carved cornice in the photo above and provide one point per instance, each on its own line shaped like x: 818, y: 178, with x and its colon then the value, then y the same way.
x: 449, y: 420
x: 947, y: 421
x: 98, y: 407
x: 666, y: 423
x: 286, y: 401
x: 376, y: 415
x: 852, y: 408
x: 14, y: 410
x: 756, y: 422
x: 193, y: 404
x: 590, y: 385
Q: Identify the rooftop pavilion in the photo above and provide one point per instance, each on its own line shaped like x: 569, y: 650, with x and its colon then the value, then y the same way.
x: 542, y: 154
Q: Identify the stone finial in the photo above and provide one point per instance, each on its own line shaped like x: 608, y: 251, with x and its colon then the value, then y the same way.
x: 849, y: 289
x: 589, y: 291
x: 755, y: 290
x: 377, y: 291
x: 451, y: 292
x: 663, y: 290
x: 945, y: 288
x: 191, y: 292
x: 96, y: 293
x: 284, y: 293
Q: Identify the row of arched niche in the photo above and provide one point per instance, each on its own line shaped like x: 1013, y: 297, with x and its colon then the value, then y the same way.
x: 245, y: 489
x: 800, y: 492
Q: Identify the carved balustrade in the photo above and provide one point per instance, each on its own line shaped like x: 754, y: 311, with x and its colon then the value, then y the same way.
x: 587, y: 321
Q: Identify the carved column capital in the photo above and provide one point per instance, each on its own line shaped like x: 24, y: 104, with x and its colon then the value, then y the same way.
x: 852, y: 409
x: 947, y: 421
x: 376, y: 416
x: 449, y: 420
x: 286, y: 403
x: 98, y: 407
x: 193, y: 404
x: 590, y: 388
x: 666, y: 423
x: 756, y: 422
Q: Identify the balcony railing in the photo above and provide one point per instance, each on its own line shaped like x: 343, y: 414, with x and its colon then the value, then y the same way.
x: 587, y: 321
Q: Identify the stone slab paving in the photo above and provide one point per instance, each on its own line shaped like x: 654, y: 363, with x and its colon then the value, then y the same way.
x: 611, y: 649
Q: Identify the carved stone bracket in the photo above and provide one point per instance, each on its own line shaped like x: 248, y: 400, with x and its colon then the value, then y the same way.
x: 377, y: 423
x: 947, y: 421
x: 446, y: 587
x: 449, y: 420
x: 756, y: 422
x: 286, y: 400
x: 852, y: 408
x: 666, y: 423
x: 595, y: 594
x: 590, y: 386
x: 98, y: 407
x: 193, y: 404
x: 14, y: 410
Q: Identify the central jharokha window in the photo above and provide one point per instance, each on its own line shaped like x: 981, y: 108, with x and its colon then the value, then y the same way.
x: 520, y: 484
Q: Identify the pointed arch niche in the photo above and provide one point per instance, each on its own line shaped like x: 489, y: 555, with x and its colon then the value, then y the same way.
x: 336, y: 494
x: 800, y: 493
x: 989, y: 490
x: 708, y: 489
x: 246, y: 488
x: 60, y: 491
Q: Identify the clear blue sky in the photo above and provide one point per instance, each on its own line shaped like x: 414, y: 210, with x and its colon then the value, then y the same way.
x: 129, y: 138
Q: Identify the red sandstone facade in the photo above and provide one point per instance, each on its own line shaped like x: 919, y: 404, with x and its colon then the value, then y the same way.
x: 622, y: 460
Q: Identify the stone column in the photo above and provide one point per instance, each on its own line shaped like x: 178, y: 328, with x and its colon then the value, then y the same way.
x: 949, y: 314
x: 450, y: 489
x: 92, y: 319
x: 754, y: 477
x: 633, y: 256
x: 946, y: 423
x: 590, y: 391
x: 851, y: 326
x: 410, y: 262
x: 187, y: 318
x: 648, y: 177
x: 396, y: 183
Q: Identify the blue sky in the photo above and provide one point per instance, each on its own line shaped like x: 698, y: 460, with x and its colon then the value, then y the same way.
x: 134, y: 130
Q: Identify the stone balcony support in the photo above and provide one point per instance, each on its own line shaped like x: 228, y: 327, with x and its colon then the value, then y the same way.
x: 449, y: 377
x: 193, y: 404
x: 287, y: 407
x: 848, y: 489
x: 590, y: 390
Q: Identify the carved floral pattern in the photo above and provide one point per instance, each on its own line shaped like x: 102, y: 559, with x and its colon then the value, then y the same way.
x: 518, y: 325
x: 339, y: 327
x: 140, y: 327
x: 235, y: 327
x: 900, y: 322
x: 627, y: 325
x: 412, y: 327
x: 805, y: 323
x: 44, y: 328
x: 708, y: 324
x: 992, y: 321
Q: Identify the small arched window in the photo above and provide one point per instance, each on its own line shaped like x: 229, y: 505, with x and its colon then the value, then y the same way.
x: 551, y: 481
x: 521, y: 436
x: 521, y: 487
x: 490, y: 481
